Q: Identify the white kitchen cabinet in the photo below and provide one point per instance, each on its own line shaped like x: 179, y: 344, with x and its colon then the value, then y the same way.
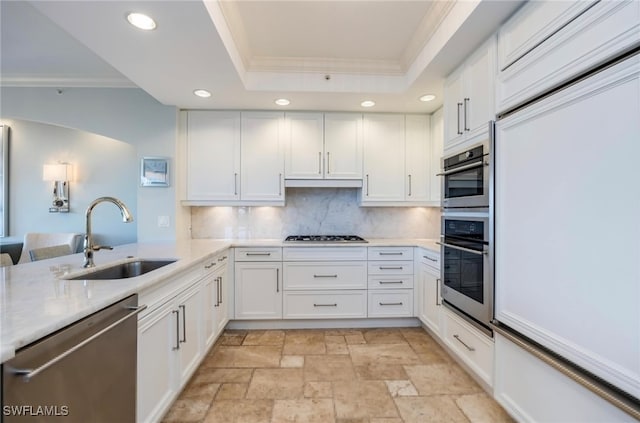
x: 258, y: 290
x: 156, y: 382
x: 214, y: 302
x: 469, y: 96
x: 384, y: 156
x: 213, y: 155
x: 304, y: 158
x: 169, y: 350
x: 325, y: 304
x: 343, y: 145
x: 435, y: 158
x: 430, y: 302
x: 417, y: 158
x: 261, y: 157
x: 323, y: 146
x: 548, y: 43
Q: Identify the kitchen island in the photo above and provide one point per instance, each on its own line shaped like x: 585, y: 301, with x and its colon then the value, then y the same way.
x: 37, y: 299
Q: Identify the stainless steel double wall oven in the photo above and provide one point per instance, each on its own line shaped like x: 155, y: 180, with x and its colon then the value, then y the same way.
x: 466, y: 239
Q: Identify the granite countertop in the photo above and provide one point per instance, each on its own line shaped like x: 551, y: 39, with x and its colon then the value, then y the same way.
x: 36, y: 300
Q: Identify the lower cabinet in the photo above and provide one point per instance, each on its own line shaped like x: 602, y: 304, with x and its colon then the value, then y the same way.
x: 169, y: 350
x: 429, y: 289
x: 215, y: 306
x: 346, y: 304
x: 258, y: 290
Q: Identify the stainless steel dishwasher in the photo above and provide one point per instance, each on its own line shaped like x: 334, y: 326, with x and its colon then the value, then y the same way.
x: 85, y: 372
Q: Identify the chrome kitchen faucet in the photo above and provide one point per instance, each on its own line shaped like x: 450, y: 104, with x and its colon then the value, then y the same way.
x: 89, y: 248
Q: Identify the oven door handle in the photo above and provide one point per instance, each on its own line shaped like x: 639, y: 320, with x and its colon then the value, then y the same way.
x: 468, y: 250
x: 465, y: 167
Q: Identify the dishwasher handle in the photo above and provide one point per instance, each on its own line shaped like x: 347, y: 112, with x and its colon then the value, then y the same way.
x: 28, y: 374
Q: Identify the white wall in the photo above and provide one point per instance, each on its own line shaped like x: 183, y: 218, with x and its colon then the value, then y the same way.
x: 125, y: 114
x: 316, y: 211
x: 102, y: 167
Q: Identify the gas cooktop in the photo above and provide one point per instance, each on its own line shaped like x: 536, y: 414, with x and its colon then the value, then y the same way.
x: 325, y: 238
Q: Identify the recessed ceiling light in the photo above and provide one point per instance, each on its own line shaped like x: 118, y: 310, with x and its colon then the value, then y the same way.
x: 368, y: 103
x: 202, y: 93
x: 428, y: 97
x: 141, y: 21
x: 282, y: 102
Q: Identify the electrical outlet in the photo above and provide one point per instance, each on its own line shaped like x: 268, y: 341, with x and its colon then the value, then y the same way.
x: 163, y: 221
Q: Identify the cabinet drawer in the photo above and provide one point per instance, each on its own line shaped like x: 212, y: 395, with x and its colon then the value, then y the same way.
x: 324, y: 253
x: 317, y: 275
x: 474, y: 348
x: 390, y: 253
x: 258, y: 254
x: 325, y: 304
x: 391, y: 268
x: 391, y: 303
x: 390, y: 282
x: 428, y: 257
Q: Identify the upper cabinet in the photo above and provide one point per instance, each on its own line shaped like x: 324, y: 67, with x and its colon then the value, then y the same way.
x: 213, y: 155
x: 323, y: 146
x: 548, y: 43
x: 397, y: 160
x: 234, y: 158
x: 384, y: 148
x: 262, y: 158
x: 469, y: 96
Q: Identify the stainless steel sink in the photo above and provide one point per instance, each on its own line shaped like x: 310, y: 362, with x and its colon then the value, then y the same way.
x: 124, y: 270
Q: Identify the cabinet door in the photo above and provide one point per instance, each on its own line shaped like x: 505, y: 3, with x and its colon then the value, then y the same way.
x: 188, y: 306
x: 383, y: 158
x: 157, y: 340
x: 430, y: 298
x: 258, y: 290
x: 478, y: 102
x: 417, y: 158
x: 453, y: 108
x: 437, y: 139
x: 262, y: 162
x: 213, y: 155
x: 304, y: 145
x: 221, y: 304
x: 343, y: 146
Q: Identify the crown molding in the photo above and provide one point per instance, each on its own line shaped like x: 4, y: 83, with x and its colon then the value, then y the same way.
x: 65, y: 81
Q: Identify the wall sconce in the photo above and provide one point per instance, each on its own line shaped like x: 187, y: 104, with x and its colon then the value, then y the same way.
x: 60, y: 174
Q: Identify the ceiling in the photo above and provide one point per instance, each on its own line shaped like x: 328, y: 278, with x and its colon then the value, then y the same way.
x: 320, y: 54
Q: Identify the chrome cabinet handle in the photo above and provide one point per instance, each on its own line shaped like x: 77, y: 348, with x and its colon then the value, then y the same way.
x: 235, y: 184
x: 319, y: 162
x: 466, y: 101
x: 328, y: 163
x: 325, y: 305
x: 391, y: 304
x: 398, y: 253
x: 184, y: 322
x: 217, y: 293
x: 222, y: 258
x: 325, y: 276
x: 277, y: 280
x: 409, y: 185
x: 463, y: 343
x: 389, y: 282
x: 458, y: 119
x: 367, y: 185
x: 177, y: 347
x: 438, y: 291
x: 390, y: 267
x: 220, y: 289
x: 258, y: 254
x: 468, y: 250
x: 209, y: 266
x: 465, y: 167
x: 27, y: 374
x: 429, y: 258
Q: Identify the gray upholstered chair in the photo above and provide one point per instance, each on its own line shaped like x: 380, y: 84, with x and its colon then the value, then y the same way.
x: 5, y: 260
x: 49, y: 252
x: 33, y: 240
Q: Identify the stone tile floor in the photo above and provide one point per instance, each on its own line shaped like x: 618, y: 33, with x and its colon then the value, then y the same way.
x: 335, y: 375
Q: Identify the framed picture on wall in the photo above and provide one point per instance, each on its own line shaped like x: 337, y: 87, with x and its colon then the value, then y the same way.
x: 154, y: 172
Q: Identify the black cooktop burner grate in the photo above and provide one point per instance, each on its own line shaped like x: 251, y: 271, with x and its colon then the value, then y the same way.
x: 324, y: 238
